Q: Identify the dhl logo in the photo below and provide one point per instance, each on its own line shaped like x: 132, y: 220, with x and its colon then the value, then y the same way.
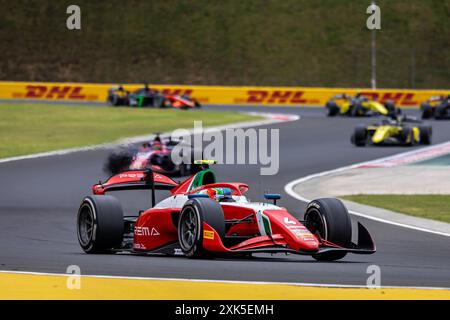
x: 277, y: 96
x: 299, y: 97
x: 399, y: 98
x: 177, y: 92
x: 54, y: 92
x: 181, y: 92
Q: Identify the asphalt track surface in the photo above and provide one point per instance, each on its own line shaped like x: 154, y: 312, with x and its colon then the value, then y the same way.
x: 39, y: 199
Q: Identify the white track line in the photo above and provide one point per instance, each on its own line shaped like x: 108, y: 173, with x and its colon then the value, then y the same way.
x: 289, y: 188
x: 300, y: 284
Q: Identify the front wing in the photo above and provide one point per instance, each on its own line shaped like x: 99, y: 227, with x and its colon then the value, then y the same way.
x: 276, y: 244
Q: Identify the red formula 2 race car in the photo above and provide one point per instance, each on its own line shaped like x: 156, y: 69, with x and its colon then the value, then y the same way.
x: 203, y: 218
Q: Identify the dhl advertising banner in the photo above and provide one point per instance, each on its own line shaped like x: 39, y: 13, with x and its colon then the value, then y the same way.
x: 276, y: 96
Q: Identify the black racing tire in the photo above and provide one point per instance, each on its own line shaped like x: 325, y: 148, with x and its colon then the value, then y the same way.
x: 357, y: 110
x: 440, y: 112
x: 333, y: 109
x: 329, y: 218
x: 165, y: 103
x: 427, y: 111
x: 197, y: 104
x: 158, y: 102
x: 100, y: 225
x: 390, y: 107
x: 118, y: 161
x: 190, y: 225
x: 407, y: 136
x: 114, y: 100
x: 360, y: 136
x: 426, y: 133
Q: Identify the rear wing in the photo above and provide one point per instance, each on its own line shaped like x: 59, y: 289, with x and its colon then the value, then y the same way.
x: 135, y: 180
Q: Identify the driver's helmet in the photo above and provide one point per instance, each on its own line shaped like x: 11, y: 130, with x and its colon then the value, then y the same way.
x: 157, y: 145
x: 146, y: 145
x: 216, y: 193
x: 146, y: 87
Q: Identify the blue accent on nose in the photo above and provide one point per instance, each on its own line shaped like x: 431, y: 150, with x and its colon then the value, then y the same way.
x: 272, y: 196
x: 197, y: 195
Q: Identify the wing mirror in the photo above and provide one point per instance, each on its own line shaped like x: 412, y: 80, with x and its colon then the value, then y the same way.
x: 273, y: 196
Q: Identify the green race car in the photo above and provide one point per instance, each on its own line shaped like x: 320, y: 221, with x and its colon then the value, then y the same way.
x: 400, y: 130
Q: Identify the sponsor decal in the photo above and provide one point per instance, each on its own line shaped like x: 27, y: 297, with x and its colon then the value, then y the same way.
x: 131, y: 175
x: 299, y: 231
x: 287, y: 221
x: 276, y: 96
x: 399, y: 98
x: 315, y: 98
x: 309, y: 238
x: 54, y: 92
x: 145, y: 231
x: 214, y: 94
x: 177, y: 92
x: 314, y: 204
x: 207, y: 234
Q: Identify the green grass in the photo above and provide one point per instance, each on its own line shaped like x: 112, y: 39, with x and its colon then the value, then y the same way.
x: 29, y: 128
x: 436, y: 207
x: 251, y: 42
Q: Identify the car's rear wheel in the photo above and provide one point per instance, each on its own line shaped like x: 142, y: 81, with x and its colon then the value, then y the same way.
x: 426, y: 133
x: 360, y: 136
x: 329, y: 219
x: 190, y: 225
x: 118, y: 161
x: 440, y: 112
x: 427, y: 111
x: 114, y: 100
x: 333, y: 109
x: 100, y: 224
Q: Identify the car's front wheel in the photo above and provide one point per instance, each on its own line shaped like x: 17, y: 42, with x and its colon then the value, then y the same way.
x: 360, y: 136
x: 190, y: 225
x: 407, y: 136
x: 425, y: 134
x: 329, y: 219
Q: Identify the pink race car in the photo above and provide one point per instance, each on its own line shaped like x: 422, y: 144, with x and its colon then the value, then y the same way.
x: 154, y: 154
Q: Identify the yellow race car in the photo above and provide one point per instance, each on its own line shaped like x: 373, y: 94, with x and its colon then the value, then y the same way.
x: 359, y: 106
x: 437, y: 107
x: 400, y: 130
